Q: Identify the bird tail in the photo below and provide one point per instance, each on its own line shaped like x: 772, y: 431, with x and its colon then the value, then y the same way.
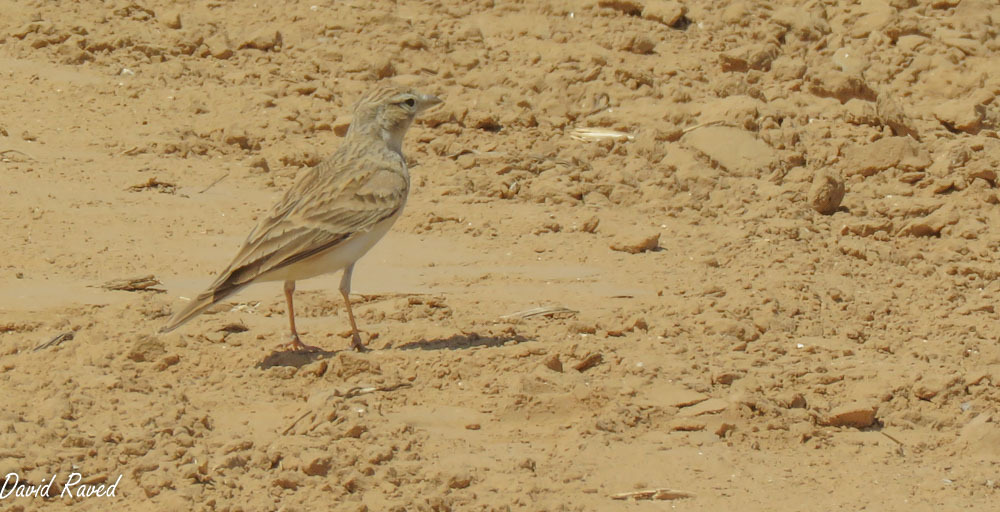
x: 205, y: 300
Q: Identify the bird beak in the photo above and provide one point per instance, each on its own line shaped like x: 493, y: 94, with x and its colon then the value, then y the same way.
x: 427, y: 101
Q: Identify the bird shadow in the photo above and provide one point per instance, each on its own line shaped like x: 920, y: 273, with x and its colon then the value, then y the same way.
x: 462, y: 342
x: 300, y: 358
x: 294, y: 358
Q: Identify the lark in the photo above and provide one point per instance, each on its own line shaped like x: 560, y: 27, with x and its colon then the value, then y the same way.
x: 333, y: 214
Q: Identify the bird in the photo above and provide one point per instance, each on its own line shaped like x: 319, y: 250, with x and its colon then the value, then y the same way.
x: 333, y: 214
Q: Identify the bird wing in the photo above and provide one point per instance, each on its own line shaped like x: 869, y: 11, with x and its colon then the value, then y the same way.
x: 331, y: 203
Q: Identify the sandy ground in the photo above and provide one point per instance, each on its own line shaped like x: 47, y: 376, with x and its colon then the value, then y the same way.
x: 725, y: 340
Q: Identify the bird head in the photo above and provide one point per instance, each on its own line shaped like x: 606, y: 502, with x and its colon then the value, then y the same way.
x: 387, y: 112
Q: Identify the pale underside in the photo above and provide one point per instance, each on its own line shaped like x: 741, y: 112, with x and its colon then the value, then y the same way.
x: 336, y: 258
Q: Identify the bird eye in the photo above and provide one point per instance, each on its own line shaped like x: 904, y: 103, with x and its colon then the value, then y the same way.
x: 410, y: 102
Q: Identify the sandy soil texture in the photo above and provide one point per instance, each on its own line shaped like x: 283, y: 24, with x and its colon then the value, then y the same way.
x: 763, y: 235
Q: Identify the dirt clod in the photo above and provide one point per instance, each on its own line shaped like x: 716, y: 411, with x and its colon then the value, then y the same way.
x: 826, y: 193
x: 637, y: 244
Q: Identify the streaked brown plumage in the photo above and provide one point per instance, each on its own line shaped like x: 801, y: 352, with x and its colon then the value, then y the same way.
x: 334, y: 213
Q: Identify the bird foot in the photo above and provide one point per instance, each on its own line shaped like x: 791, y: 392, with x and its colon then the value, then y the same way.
x: 356, y: 343
x: 296, y: 345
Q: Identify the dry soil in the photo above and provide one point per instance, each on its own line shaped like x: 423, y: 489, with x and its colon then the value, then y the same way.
x: 663, y: 177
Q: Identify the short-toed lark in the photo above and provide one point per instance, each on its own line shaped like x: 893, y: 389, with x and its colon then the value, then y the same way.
x: 334, y: 213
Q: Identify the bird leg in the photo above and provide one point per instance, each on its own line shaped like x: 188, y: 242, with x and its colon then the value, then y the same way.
x: 345, y: 290
x: 296, y: 343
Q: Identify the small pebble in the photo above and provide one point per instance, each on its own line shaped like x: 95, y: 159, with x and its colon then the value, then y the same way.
x: 826, y: 193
